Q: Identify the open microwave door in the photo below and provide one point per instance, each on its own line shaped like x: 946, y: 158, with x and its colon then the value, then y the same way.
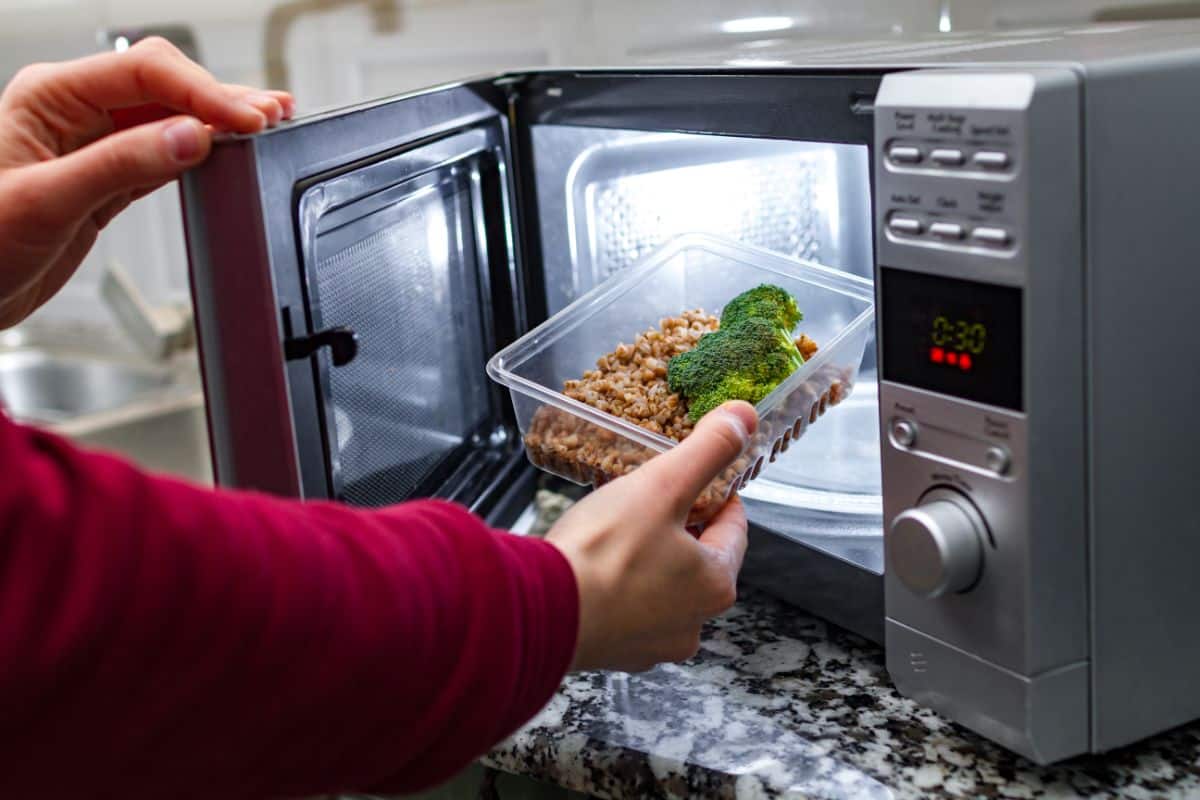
x: 352, y: 272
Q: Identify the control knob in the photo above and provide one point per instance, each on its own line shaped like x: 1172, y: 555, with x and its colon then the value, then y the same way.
x: 937, y: 547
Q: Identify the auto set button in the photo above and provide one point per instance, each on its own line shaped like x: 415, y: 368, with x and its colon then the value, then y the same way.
x: 909, y: 226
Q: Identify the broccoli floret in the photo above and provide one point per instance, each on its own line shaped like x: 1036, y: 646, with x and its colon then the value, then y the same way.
x: 766, y: 301
x: 743, y: 360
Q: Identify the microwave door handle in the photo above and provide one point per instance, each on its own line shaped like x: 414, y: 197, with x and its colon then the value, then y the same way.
x: 342, y: 344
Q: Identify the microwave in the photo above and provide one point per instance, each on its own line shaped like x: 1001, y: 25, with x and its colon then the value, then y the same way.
x: 998, y: 502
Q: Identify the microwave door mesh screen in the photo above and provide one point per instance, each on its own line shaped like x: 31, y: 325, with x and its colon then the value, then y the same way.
x: 609, y: 198
x: 409, y: 288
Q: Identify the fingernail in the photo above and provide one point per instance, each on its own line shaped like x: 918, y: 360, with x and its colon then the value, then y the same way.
x: 261, y: 101
x: 263, y: 121
x: 183, y: 140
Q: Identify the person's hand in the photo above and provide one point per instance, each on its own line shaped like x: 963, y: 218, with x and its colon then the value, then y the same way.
x: 81, y: 140
x: 646, y: 585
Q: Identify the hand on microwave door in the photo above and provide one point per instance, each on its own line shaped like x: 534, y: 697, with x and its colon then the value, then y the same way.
x: 81, y: 140
x: 646, y: 585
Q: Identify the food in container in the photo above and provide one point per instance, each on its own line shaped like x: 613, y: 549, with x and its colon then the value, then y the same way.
x: 593, y: 438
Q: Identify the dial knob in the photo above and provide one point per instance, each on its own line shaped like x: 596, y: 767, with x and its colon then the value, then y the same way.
x: 937, y: 547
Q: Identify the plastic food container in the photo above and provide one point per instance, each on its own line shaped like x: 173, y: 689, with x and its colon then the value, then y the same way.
x: 689, y: 272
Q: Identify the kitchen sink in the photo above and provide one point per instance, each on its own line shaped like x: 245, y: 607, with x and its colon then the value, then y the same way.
x: 40, y: 387
x: 91, y: 387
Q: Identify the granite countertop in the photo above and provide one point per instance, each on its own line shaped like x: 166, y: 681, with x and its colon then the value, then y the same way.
x: 779, y: 704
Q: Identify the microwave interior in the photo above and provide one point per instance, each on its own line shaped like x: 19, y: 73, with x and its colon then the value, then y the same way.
x: 439, y: 227
x: 607, y: 198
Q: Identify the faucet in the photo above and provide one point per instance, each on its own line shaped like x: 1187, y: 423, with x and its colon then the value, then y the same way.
x: 385, y: 18
x: 158, y: 331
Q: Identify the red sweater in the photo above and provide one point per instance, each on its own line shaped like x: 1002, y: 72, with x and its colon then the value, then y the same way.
x: 161, y: 640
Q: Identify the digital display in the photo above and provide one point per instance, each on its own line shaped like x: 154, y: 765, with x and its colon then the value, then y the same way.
x: 956, y: 337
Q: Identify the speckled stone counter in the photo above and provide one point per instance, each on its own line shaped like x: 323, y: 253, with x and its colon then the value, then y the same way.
x: 780, y: 705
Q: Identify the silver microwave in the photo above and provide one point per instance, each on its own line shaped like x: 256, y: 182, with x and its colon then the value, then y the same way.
x: 1002, y: 504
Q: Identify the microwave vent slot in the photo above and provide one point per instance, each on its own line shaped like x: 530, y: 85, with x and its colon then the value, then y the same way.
x: 770, y: 203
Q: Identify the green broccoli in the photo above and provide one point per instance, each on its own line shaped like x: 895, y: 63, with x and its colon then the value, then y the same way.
x: 766, y: 301
x: 743, y: 360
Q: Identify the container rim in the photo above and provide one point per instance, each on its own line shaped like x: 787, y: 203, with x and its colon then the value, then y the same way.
x: 500, y: 366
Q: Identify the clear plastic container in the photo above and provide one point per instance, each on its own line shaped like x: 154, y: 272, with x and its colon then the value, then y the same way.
x: 590, y: 446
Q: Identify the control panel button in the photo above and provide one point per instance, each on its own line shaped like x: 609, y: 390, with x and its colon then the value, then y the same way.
x: 904, y: 432
x: 998, y: 460
x: 905, y: 154
x: 946, y: 230
x: 992, y: 236
x: 947, y: 156
x: 991, y: 159
x: 937, y: 547
x: 910, y: 226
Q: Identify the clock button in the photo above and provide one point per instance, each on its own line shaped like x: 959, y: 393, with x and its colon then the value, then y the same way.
x: 946, y: 230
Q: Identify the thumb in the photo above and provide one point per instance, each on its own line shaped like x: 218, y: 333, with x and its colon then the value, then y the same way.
x: 121, y: 163
x: 718, y: 439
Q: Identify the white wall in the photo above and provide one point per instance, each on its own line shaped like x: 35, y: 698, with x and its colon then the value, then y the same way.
x: 336, y: 58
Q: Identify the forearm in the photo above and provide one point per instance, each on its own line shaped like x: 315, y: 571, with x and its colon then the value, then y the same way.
x: 172, y: 640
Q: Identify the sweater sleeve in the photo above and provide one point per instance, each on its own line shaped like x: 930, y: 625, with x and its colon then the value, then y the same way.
x: 162, y: 640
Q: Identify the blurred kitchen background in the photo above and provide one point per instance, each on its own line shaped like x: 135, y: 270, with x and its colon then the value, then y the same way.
x: 133, y: 386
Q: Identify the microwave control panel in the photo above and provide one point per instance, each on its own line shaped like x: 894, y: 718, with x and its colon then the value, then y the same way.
x: 978, y: 231
x: 952, y: 181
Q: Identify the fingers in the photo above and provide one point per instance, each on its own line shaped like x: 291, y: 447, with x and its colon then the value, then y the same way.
x: 274, y: 104
x: 78, y: 184
x: 725, y: 535
x: 153, y: 71
x: 684, y: 471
